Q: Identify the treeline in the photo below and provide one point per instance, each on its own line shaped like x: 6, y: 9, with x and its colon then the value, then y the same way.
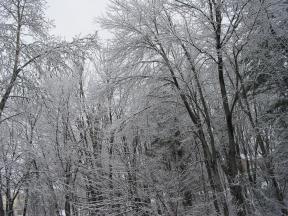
x: 183, y: 112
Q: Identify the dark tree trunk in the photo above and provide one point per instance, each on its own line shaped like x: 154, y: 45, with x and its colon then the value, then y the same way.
x: 15, y: 70
x: 2, y: 212
x: 26, y: 202
x: 200, y: 134
x: 215, y: 180
x: 67, y: 205
x: 10, y: 210
x: 68, y: 177
x: 232, y: 165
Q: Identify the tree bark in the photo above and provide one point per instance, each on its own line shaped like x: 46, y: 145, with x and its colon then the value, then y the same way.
x: 2, y: 212
x: 26, y: 202
x: 15, y: 70
x: 214, y: 177
x: 232, y: 167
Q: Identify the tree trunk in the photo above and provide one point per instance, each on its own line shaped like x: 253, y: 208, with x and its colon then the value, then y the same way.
x: 67, y: 205
x: 215, y: 180
x: 9, y: 205
x: 26, y: 201
x: 2, y: 212
x: 15, y: 70
x: 232, y: 167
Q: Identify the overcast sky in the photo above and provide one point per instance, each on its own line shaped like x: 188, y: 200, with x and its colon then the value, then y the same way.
x: 74, y: 17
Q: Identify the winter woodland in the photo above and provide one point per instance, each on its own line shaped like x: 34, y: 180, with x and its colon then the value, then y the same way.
x: 184, y: 111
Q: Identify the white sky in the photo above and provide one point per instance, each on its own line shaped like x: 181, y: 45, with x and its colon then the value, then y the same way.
x: 75, y: 17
